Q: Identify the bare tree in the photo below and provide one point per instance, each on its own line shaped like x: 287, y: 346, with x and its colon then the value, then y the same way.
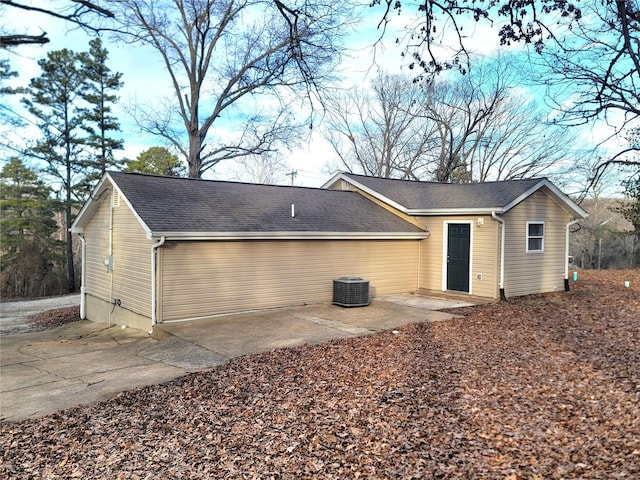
x: 269, y: 169
x: 82, y: 13
x: 459, y: 110
x: 223, y: 55
x: 590, y: 48
x: 472, y: 128
x: 378, y: 131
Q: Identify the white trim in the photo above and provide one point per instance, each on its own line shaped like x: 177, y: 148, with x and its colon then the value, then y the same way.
x: 527, y: 236
x: 566, y: 247
x: 554, y: 192
x: 290, y: 235
x: 502, y: 245
x: 94, y: 198
x: 144, y: 226
x: 445, y: 247
x: 92, y: 205
x: 154, y: 282
x: 453, y: 211
x: 83, y: 277
x: 364, y: 188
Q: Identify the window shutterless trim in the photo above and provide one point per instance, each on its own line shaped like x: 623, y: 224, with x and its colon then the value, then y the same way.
x: 530, y: 237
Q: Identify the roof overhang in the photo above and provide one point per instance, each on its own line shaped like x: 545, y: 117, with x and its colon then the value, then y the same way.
x: 96, y: 198
x: 564, y: 201
x: 374, y: 193
x: 555, y: 193
x: 228, y: 236
x: 453, y: 211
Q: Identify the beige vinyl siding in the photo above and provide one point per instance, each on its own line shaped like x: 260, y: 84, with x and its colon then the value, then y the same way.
x: 207, y: 278
x: 96, y: 234
x: 132, y: 262
x: 486, y: 258
x: 527, y: 273
x: 485, y: 254
x: 131, y: 275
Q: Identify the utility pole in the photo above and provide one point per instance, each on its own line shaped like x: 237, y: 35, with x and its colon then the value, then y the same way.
x: 292, y: 174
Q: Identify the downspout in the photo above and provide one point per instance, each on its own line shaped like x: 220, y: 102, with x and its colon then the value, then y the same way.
x: 83, y: 267
x: 566, y: 254
x: 154, y: 314
x: 110, y: 256
x: 502, y: 238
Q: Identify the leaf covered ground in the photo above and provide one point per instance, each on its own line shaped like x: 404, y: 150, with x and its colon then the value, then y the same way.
x: 53, y: 318
x: 545, y: 386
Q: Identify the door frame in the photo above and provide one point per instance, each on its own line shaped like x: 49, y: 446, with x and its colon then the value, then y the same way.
x: 445, y: 248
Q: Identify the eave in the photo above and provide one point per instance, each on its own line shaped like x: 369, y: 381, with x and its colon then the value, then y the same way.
x: 230, y: 236
x: 565, y: 202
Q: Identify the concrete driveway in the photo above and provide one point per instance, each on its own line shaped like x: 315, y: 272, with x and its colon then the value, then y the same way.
x: 86, y: 362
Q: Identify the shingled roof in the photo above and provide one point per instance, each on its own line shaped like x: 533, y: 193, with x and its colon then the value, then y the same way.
x: 185, y: 207
x: 415, y: 197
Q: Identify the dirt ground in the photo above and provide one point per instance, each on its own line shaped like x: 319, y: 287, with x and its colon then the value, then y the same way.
x: 540, y: 387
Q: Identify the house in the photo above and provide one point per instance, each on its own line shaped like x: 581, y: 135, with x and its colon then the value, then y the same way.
x: 490, y: 239
x: 160, y: 249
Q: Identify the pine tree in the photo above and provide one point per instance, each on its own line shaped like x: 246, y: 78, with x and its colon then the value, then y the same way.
x: 53, y: 99
x: 157, y: 161
x: 99, y: 122
x: 31, y: 259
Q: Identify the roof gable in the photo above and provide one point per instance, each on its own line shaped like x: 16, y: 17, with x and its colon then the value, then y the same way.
x: 416, y: 197
x: 195, y: 208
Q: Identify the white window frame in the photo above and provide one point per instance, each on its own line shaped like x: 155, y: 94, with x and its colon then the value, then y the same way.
x: 529, y: 237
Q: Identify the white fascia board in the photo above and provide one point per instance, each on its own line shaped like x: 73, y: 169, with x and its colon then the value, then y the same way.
x: 291, y: 235
x: 556, y: 193
x: 142, y: 223
x: 332, y: 180
x: 454, y: 212
x: 373, y: 193
x: 90, y: 206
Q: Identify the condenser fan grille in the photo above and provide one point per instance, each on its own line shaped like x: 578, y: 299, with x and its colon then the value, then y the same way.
x: 351, y: 292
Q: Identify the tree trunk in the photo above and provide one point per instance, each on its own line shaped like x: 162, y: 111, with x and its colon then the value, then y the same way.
x: 194, y: 160
x: 71, y: 280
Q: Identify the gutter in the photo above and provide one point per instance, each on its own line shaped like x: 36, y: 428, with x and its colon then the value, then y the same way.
x: 292, y: 235
x: 502, y: 240
x: 154, y: 314
x: 566, y: 253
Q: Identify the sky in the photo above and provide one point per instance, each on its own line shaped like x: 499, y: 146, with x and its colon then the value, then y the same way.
x: 145, y: 80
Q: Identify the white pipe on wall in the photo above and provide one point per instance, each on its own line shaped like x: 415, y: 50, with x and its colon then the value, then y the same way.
x: 502, y: 240
x: 154, y: 313
x: 566, y: 253
x: 83, y: 268
x: 110, y: 256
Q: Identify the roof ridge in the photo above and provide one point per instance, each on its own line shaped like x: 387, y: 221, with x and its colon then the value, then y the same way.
x: 211, y: 180
x: 406, y: 180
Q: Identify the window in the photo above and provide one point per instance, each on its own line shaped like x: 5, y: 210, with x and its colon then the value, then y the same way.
x: 535, y: 237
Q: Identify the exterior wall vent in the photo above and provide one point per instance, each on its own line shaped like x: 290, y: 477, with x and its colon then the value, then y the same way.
x: 351, y: 292
x: 116, y: 198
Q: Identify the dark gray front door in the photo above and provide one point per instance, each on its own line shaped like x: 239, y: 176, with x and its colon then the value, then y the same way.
x: 458, y: 256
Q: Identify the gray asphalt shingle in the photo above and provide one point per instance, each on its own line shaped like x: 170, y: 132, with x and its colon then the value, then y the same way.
x: 415, y: 195
x: 169, y: 204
